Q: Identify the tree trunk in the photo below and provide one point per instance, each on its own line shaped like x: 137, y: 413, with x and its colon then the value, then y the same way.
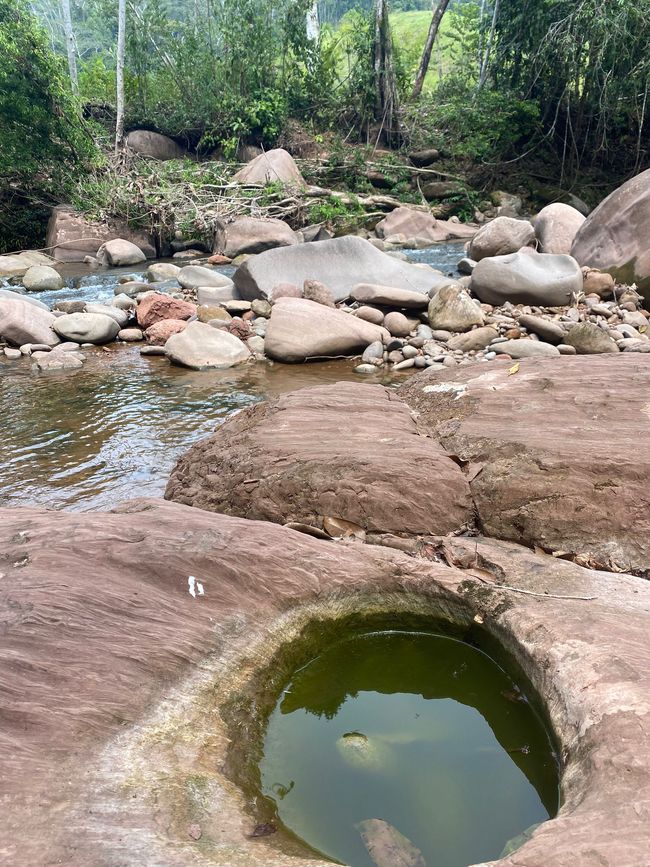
x: 488, y: 49
x: 70, y: 46
x: 313, y: 24
x: 121, y: 34
x: 386, y: 100
x: 436, y: 18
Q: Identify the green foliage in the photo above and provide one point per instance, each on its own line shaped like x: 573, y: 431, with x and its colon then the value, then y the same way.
x: 337, y: 213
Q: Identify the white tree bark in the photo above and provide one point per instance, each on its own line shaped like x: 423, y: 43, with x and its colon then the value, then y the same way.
x: 70, y: 46
x: 119, y: 77
x: 313, y: 24
x: 488, y: 49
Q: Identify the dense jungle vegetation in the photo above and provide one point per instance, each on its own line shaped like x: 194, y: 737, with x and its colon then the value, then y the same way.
x: 552, y: 89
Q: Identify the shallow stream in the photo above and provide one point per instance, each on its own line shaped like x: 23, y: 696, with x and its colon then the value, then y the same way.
x: 112, y: 431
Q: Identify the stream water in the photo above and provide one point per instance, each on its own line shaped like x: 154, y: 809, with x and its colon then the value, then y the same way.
x: 112, y: 431
x: 419, y: 731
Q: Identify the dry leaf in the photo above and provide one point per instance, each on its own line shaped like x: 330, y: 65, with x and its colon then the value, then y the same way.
x: 643, y: 329
x: 514, y: 369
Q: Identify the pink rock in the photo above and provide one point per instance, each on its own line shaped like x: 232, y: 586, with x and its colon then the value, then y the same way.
x: 159, y: 333
x: 156, y: 307
x: 285, y: 290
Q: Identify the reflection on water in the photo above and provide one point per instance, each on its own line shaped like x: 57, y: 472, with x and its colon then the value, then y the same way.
x: 111, y: 431
x: 422, y: 732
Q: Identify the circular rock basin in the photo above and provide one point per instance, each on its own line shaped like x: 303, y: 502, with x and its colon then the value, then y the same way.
x: 407, y: 748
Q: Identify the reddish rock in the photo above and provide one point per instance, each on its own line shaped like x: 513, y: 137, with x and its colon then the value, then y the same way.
x: 156, y: 307
x: 219, y: 259
x: 285, y: 290
x: 348, y: 451
x: 240, y: 328
x: 563, y: 449
x: 159, y: 333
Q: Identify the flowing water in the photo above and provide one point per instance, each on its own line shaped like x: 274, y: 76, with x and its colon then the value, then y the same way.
x: 420, y: 731
x: 112, y: 431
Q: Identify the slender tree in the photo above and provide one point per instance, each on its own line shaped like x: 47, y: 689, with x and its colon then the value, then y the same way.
x: 485, y: 61
x: 438, y: 11
x: 70, y: 45
x: 313, y: 23
x: 386, y: 99
x: 119, y: 77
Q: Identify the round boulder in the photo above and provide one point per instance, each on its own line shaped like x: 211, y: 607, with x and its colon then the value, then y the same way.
x: 41, y: 278
x: 556, y: 226
x: 86, y: 327
x: 527, y: 277
x: 159, y: 333
x: 451, y: 309
x: 120, y: 252
x: 397, y: 324
x: 201, y: 347
x: 500, y: 237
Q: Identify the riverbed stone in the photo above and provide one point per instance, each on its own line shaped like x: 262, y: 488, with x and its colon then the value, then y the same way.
x: 119, y: 251
x: 162, y: 271
x: 340, y: 263
x: 132, y: 288
x: 95, y: 328
x: 17, y: 264
x: 314, y: 290
x: 397, y: 324
x: 22, y: 322
x: 556, y: 226
x: 157, y: 307
x: 120, y: 316
x: 369, y: 314
x: 253, y: 235
x: 527, y: 277
x: 52, y: 361
x: 300, y: 329
x: 411, y: 223
x: 499, y: 237
x: 389, y: 296
x: 472, y: 341
x: 452, y: 309
x: 547, y: 329
x: 210, y: 296
x: 274, y: 166
x: 191, y: 277
x: 124, y: 302
x: 201, y: 347
x: 588, y: 339
x: 159, y: 332
x: 12, y: 354
x: 403, y: 483
x: 130, y: 335
x: 8, y: 295
x: 523, y: 348
x: 42, y: 278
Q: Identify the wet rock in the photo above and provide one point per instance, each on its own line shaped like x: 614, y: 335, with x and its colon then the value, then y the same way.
x: 300, y: 329
x: 159, y: 333
x: 340, y: 264
x: 523, y: 348
x: 252, y: 235
x: 369, y: 293
x: 397, y: 324
x: 540, y: 279
x: 365, y: 368
x: 614, y: 237
x: 40, y: 278
x: 387, y: 847
x: 201, y: 347
x: 156, y: 307
x: 120, y: 252
x: 93, y: 328
x: 130, y: 335
x: 499, y: 237
x: 474, y: 340
x: 548, y: 330
x: 22, y: 322
x: 312, y: 290
x: 452, y: 309
x: 588, y: 339
x: 308, y: 453
x: 162, y: 271
x: 556, y: 226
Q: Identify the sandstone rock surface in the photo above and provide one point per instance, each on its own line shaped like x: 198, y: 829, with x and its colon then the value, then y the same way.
x: 201, y: 347
x: 341, y: 264
x: 348, y: 451
x: 614, y: 238
x: 556, y: 226
x: 21, y: 322
x: 300, y: 329
x: 71, y: 237
x: 563, y: 448
x: 527, y: 277
x: 499, y: 237
x: 156, y: 307
x: 252, y: 235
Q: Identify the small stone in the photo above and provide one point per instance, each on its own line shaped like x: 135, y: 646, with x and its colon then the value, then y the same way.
x: 564, y: 349
x: 236, y: 307
x: 549, y: 331
x: 124, y: 302
x: 420, y: 361
x: 260, y: 307
x: 365, y: 368
x: 194, y: 832
x: 152, y: 350
x: 524, y: 348
x: 374, y: 351
x: 207, y: 314
x: 452, y: 309
x: 312, y: 290
x: 395, y: 356
x: 474, y: 340
x: 370, y: 314
x: 404, y: 365
x: 13, y: 354
x: 397, y: 324
x: 256, y: 344
x: 589, y: 339
x: 409, y: 351
x: 130, y: 335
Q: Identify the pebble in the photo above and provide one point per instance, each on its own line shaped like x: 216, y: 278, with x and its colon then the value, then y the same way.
x: 404, y: 365
x: 409, y: 351
x: 152, y: 350
x: 395, y: 356
x: 564, y: 349
x: 13, y: 354
x: 365, y: 368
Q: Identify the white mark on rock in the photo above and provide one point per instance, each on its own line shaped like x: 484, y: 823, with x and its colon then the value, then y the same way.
x: 646, y: 409
x: 195, y: 587
x: 457, y: 388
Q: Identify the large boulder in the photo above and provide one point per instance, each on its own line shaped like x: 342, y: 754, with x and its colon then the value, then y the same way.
x: 556, y: 226
x: 588, y: 339
x: 87, y: 327
x: 347, y: 451
x: 153, y: 144
x: 526, y: 277
x: 615, y: 237
x: 202, y: 347
x: 22, y: 322
x: 411, y: 223
x: 156, y: 307
x: 274, y: 166
x: 71, y: 237
x: 42, y: 278
x: 501, y: 236
x: 120, y: 252
x: 8, y: 295
x: 192, y: 277
x: 300, y: 329
x: 252, y: 235
x: 451, y: 309
x: 17, y: 264
x: 388, y: 296
x: 340, y: 263
x: 560, y: 450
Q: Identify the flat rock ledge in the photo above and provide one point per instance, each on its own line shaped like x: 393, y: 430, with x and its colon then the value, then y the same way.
x: 350, y: 452
x: 557, y: 451
x: 127, y: 637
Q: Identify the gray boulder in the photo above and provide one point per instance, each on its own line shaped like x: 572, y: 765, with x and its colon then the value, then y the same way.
x: 499, y: 237
x: 120, y: 316
x: 41, y: 278
x: 162, y: 271
x: 451, y: 309
x: 525, y: 348
x: 8, y: 295
x: 556, y: 226
x: 21, y: 322
x: 153, y: 144
x: 274, y: 166
x: 120, y: 252
x: 551, y: 332
x: 370, y: 293
x: 541, y: 279
x: 252, y: 235
x: 341, y: 264
x: 86, y: 327
x: 300, y: 329
x: 192, y: 276
x: 201, y: 347
x: 588, y: 339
